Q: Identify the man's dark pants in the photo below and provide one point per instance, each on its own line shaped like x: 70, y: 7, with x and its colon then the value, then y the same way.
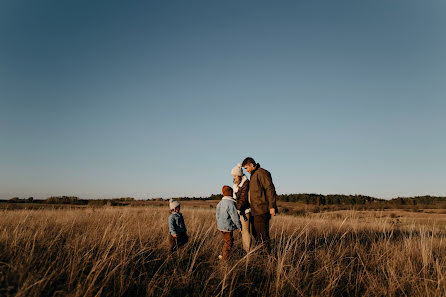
x: 260, y: 229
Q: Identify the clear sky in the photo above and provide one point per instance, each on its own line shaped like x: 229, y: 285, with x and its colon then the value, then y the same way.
x: 105, y: 99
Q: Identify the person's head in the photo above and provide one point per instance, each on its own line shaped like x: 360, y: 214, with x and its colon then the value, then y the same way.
x: 237, y: 173
x: 227, y: 191
x: 249, y: 164
x: 174, y: 205
x: 237, y: 179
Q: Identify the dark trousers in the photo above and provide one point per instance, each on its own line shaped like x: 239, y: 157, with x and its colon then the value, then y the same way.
x: 228, y: 242
x: 179, y: 241
x: 260, y: 229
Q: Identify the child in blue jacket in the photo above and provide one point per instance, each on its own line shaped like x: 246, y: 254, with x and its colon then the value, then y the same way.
x: 228, y: 220
x: 177, y: 228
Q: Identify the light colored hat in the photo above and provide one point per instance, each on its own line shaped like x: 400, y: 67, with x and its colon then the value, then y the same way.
x: 173, y: 204
x: 237, y: 170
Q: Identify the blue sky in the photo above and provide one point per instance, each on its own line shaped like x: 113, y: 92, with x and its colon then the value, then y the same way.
x: 105, y: 99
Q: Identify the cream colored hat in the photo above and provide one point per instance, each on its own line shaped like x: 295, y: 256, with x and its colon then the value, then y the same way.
x: 173, y: 204
x: 237, y: 170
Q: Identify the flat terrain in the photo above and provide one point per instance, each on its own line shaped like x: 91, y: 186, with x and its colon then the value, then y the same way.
x: 123, y: 251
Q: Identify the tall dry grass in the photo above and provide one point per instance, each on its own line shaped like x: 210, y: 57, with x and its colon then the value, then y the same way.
x: 124, y: 252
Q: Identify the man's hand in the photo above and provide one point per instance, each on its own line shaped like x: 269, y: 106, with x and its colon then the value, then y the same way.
x: 174, y: 235
x: 272, y: 211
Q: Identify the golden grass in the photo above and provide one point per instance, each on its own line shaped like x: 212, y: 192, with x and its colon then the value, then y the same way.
x: 124, y: 252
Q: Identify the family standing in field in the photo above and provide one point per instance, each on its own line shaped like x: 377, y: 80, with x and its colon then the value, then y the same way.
x: 247, y: 206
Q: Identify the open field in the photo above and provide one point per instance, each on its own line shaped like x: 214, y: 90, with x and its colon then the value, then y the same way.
x: 123, y: 251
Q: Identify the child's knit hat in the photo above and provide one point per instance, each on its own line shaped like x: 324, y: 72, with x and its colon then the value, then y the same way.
x: 227, y: 191
x: 237, y: 170
x: 173, y: 204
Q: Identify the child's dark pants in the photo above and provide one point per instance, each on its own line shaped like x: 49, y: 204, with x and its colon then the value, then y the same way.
x: 179, y: 241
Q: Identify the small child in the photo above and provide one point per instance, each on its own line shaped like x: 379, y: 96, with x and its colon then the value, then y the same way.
x: 228, y: 220
x: 177, y: 228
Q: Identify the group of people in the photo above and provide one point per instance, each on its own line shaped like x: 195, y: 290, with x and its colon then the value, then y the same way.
x: 246, y: 206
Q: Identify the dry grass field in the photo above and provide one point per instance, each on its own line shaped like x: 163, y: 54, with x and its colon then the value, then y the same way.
x: 123, y: 251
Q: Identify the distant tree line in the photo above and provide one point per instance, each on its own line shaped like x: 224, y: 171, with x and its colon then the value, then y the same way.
x: 339, y: 199
x: 319, y: 199
x: 315, y: 199
x: 73, y: 200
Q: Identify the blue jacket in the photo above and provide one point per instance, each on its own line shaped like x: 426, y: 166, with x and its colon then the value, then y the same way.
x: 228, y: 218
x: 176, y: 223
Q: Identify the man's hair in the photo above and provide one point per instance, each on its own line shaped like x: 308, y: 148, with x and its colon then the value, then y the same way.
x: 249, y: 160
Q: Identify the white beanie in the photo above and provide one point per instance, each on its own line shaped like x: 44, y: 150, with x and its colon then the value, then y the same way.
x: 237, y: 170
x: 173, y: 204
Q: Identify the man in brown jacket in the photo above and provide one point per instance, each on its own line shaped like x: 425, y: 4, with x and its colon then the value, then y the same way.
x: 262, y: 196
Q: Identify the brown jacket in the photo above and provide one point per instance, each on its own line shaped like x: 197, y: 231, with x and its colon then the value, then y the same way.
x: 262, y: 192
x: 242, y: 197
